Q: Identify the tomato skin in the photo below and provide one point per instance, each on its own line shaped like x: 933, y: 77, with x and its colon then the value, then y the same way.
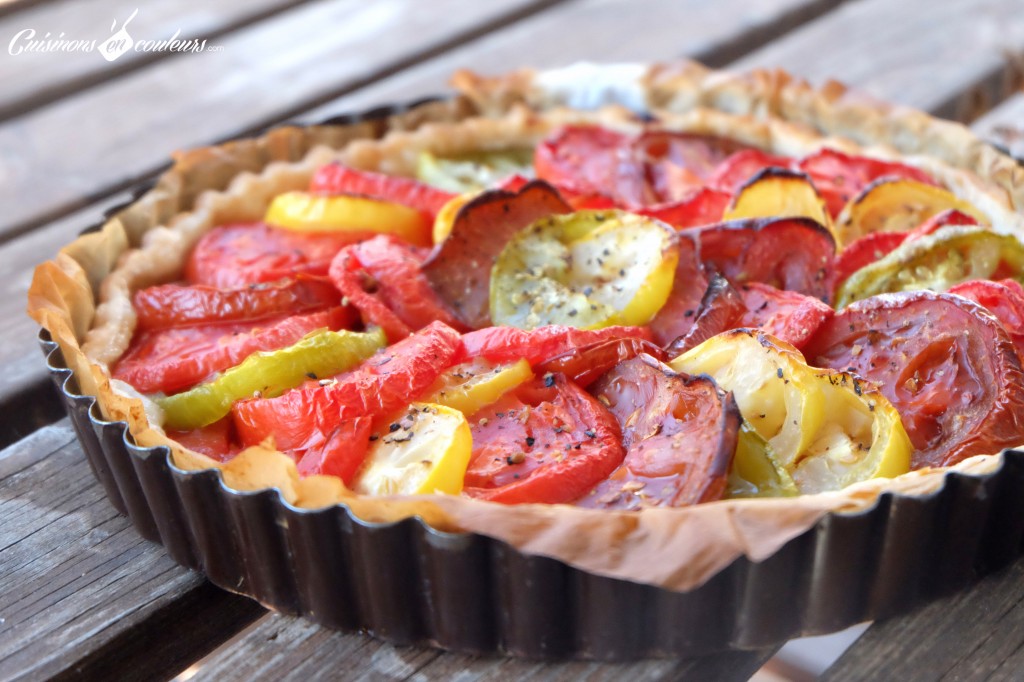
x: 585, y: 364
x: 568, y: 442
x: 590, y: 160
x: 944, y: 362
x: 677, y: 317
x: 381, y: 277
x: 737, y: 169
x: 171, y: 305
x: 459, y: 268
x: 839, y: 177
x: 233, y: 256
x: 864, y: 251
x: 306, y: 417
x: 680, y: 433
x: 938, y: 221
x: 787, y: 315
x: 504, y: 344
x: 761, y: 250
x: 703, y: 207
x: 343, y: 452
x: 677, y: 164
x: 1004, y: 299
x: 335, y: 178
x: 216, y: 440
x: 172, y: 360
x: 721, y: 309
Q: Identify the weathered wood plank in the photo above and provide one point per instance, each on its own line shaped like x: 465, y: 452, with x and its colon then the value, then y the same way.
x: 80, y: 592
x: 87, y: 145
x: 57, y: 74
x: 1004, y: 125
x: 598, y: 30
x: 283, y: 648
x: 975, y: 634
x: 955, y: 59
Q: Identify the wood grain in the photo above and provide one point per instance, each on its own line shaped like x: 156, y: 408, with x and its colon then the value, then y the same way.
x: 94, y: 143
x: 955, y: 59
x: 975, y: 634
x: 57, y: 74
x: 1004, y: 125
x: 282, y: 648
x: 598, y: 30
x: 80, y: 592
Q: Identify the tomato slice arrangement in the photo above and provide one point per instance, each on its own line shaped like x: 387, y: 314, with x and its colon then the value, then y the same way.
x: 614, y: 319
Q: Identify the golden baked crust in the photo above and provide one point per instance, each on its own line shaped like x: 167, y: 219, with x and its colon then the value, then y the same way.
x: 84, y: 296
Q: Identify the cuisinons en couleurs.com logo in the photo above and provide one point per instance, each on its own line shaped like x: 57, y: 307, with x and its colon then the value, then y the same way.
x: 118, y: 43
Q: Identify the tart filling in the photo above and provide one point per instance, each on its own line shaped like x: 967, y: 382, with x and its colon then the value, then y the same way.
x: 643, y: 244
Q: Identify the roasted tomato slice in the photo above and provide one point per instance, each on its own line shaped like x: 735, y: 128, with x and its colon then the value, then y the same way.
x: 676, y: 164
x: 839, y: 177
x: 740, y: 167
x: 703, y: 207
x: 944, y: 362
x: 585, y: 365
x: 691, y: 281
x: 171, y: 360
x: 1004, y: 299
x: 786, y: 315
x: 460, y: 267
x: 679, y: 432
x: 504, y: 344
x: 232, y: 256
x: 590, y: 160
x: 761, y: 250
x: 381, y: 277
x: 864, y: 251
x: 547, y: 441
x: 950, y: 216
x: 172, y: 305
x: 721, y: 309
x: 335, y: 178
x: 310, y: 417
x: 216, y: 440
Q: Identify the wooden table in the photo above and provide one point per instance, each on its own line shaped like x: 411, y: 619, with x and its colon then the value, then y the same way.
x: 81, y: 595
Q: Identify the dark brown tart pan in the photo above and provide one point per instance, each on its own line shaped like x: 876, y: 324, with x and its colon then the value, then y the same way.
x: 408, y: 583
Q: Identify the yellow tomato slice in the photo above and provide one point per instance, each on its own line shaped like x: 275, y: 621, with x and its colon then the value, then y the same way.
x: 307, y: 212
x: 427, y: 452
x: 819, y: 429
x: 779, y: 193
x: 476, y: 384
x: 897, y: 205
x: 589, y: 269
x: 446, y: 216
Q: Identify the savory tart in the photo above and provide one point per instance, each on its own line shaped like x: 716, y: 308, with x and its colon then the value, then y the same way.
x: 541, y: 322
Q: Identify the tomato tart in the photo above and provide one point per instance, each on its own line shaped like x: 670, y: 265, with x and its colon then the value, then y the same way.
x: 644, y: 321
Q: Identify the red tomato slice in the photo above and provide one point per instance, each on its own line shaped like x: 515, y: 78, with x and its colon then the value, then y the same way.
x: 170, y: 305
x: 676, y: 318
x: 306, y: 418
x: 547, y: 441
x: 460, y: 267
x: 677, y: 164
x: 335, y: 178
x: 586, y: 364
x: 232, y: 256
x: 504, y: 344
x: 788, y: 253
x: 787, y: 315
x: 590, y: 160
x: 172, y: 360
x: 703, y: 207
x: 382, y: 278
x: 214, y: 440
x: 734, y: 172
x: 1004, y: 299
x: 864, y: 251
x: 680, y: 435
x: 721, y: 309
x: 839, y: 177
x: 944, y: 362
x: 342, y: 453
